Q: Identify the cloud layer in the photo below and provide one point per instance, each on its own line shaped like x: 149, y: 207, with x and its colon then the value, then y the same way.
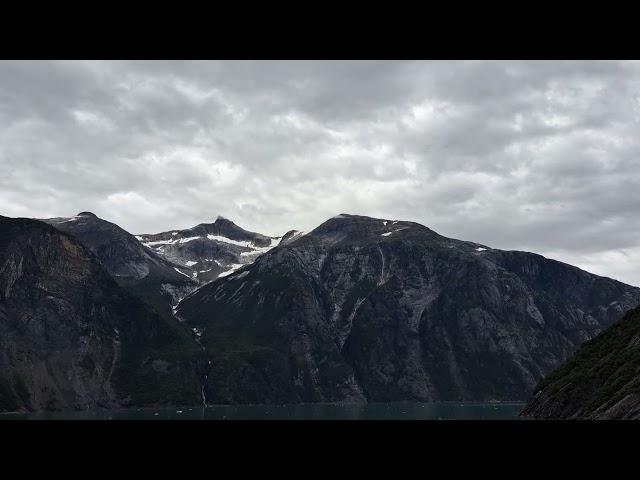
x: 538, y: 156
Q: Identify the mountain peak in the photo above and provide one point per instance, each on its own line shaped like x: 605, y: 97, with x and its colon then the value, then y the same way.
x: 87, y: 214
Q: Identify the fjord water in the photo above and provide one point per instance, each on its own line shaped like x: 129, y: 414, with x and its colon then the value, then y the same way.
x: 370, y: 411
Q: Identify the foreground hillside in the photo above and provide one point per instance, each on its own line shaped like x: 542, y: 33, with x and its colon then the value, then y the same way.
x: 70, y: 337
x: 364, y: 309
x: 600, y: 381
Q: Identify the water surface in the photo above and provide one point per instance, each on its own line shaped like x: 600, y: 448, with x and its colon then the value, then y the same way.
x: 370, y: 411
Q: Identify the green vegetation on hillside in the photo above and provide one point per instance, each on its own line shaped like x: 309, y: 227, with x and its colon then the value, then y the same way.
x: 602, y: 372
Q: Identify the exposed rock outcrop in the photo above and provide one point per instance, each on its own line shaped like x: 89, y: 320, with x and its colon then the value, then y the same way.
x: 70, y: 337
x: 382, y: 310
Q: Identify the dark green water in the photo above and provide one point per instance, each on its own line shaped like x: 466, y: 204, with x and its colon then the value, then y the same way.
x: 371, y: 411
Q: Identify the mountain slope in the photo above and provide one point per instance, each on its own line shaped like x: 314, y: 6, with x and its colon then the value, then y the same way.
x: 133, y: 266
x: 209, y: 250
x: 383, y: 310
x: 70, y: 337
x: 600, y: 381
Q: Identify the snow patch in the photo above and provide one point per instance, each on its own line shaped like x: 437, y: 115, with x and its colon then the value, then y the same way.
x: 480, y: 249
x: 181, y: 272
x: 232, y: 269
x: 258, y: 250
x: 394, y: 231
x: 188, y: 239
x: 190, y: 263
x: 240, y: 243
x: 170, y: 242
x: 296, y: 235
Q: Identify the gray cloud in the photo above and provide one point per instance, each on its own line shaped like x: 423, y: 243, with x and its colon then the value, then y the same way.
x: 538, y: 156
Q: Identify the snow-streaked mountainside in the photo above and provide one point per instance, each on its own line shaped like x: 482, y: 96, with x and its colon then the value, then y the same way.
x: 358, y: 309
x: 209, y: 250
x: 365, y: 309
x: 163, y: 268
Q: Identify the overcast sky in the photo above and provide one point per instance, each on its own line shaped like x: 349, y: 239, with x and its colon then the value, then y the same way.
x: 537, y: 156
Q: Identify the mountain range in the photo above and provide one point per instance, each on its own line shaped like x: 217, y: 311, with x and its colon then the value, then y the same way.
x: 382, y: 310
x: 357, y: 310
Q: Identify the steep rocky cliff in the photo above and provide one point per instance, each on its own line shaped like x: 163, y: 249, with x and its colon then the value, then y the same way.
x: 381, y: 310
x: 149, y: 276
x: 600, y: 381
x: 70, y: 337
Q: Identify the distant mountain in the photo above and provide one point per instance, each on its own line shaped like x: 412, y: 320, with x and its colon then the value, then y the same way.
x: 600, y: 381
x: 149, y: 276
x: 209, y: 250
x: 70, y: 337
x: 383, y: 310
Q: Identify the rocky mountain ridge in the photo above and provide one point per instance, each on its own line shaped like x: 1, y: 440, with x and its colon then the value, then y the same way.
x: 209, y: 250
x: 383, y: 310
x: 134, y: 267
x: 71, y: 338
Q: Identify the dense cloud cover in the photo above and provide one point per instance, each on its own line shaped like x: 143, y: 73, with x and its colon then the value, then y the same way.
x: 537, y: 156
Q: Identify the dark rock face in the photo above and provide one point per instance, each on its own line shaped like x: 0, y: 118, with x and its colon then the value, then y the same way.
x: 70, y: 337
x: 133, y: 266
x: 600, y: 381
x: 382, y: 310
x: 209, y: 250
